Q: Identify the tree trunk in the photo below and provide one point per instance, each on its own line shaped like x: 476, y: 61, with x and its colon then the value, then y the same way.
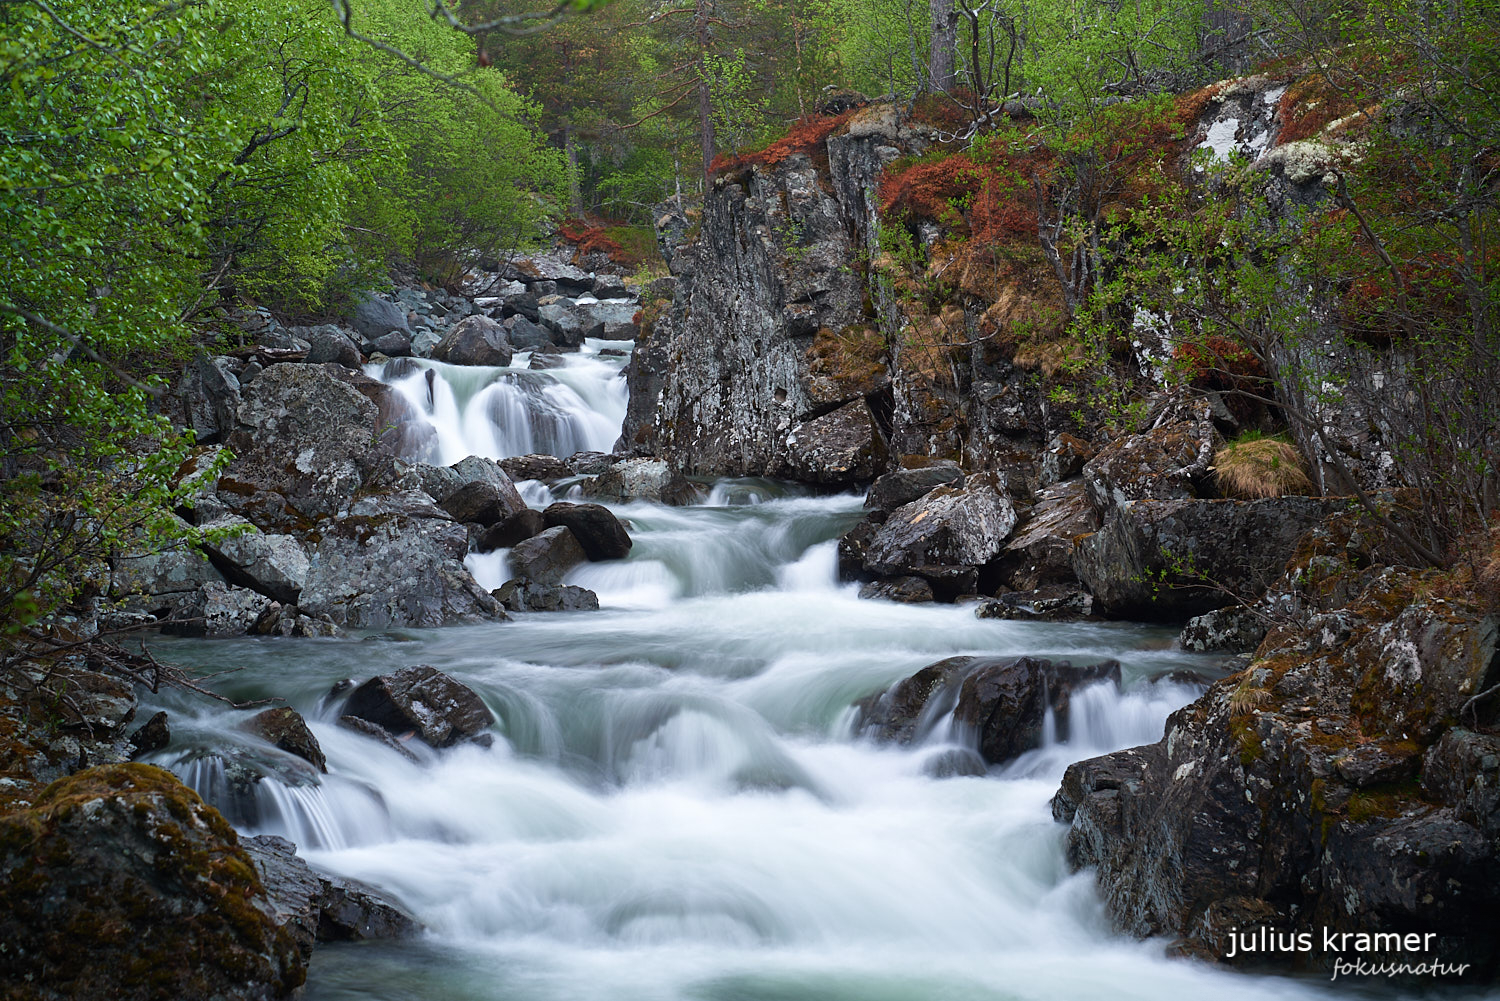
x: 944, y: 45
x: 701, y: 12
x: 575, y: 192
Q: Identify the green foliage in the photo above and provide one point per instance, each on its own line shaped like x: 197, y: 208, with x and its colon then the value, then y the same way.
x: 156, y: 156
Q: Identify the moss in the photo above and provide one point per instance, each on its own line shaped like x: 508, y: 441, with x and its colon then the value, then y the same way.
x: 1383, y: 802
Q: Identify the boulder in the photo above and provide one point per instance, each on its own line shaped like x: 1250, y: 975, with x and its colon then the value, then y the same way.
x: 840, y: 447
x: 906, y: 485
x: 567, y: 328
x: 437, y: 482
x: 217, y: 610
x: 542, y: 360
x: 595, y: 527
x: 1325, y: 786
x: 546, y: 557
x: 421, y: 700
x: 524, y: 306
x: 949, y: 528
x: 380, y: 573
x: 161, y: 581
x: 1054, y: 603
x: 374, y: 317
x: 285, y: 728
x: 120, y: 883
x: 1166, y: 560
x: 1005, y: 702
x: 908, y: 710
x: 365, y: 728
x: 513, y: 530
x: 322, y: 908
x: 477, y: 469
x: 271, y: 563
x: 289, y: 620
x: 330, y: 343
x: 522, y: 595
x: 1236, y: 629
x: 526, y: 335
x: 482, y: 503
x: 1040, y: 553
x: 613, y: 321
x: 152, y: 735
x: 641, y: 479
x: 1063, y: 459
x: 210, y: 397
x: 535, y: 467
x: 474, y: 340
x: 396, y: 344
x: 1162, y: 463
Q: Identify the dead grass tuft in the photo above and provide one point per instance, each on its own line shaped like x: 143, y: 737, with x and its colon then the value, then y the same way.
x: 1264, y: 467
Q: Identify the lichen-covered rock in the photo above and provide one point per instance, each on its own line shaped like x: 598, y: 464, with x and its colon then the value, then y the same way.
x: 641, y: 479
x: 1327, y: 785
x: 535, y: 467
x: 284, y: 727
x: 1040, y: 552
x: 546, y: 557
x: 120, y: 883
x: 595, y: 527
x: 1173, y: 559
x: 1162, y: 463
x: 949, y: 527
x: 906, y: 485
x: 272, y: 563
x: 1063, y: 459
x: 383, y: 572
x: 1054, y: 603
x: 523, y: 595
x: 421, y: 700
x: 1237, y: 628
x: 209, y: 396
x: 837, y: 448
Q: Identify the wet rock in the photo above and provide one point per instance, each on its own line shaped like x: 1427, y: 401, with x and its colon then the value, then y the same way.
x: 613, y: 321
x: 394, y: 572
x: 595, y: 527
x: 1055, y: 603
x: 289, y: 620
x: 592, y: 463
x: 322, y: 908
x: 545, y: 360
x: 1288, y: 791
x: 567, y: 329
x: 121, y: 884
x: 1164, y: 560
x: 483, y: 504
x: 950, y: 528
x: 909, y: 709
x: 909, y: 590
x: 906, y: 485
x: 853, y: 548
x: 153, y: 735
x: 536, y: 467
x: 477, y: 469
x: 374, y: 732
x: 424, y: 701
x: 1235, y: 629
x: 642, y: 479
x: 475, y: 340
x: 1005, y: 702
x: 438, y: 482
x: 545, y: 558
x: 374, y: 317
x: 955, y: 762
x: 396, y: 344
x: 284, y: 727
x: 524, y: 306
x: 522, y: 595
x: 513, y: 530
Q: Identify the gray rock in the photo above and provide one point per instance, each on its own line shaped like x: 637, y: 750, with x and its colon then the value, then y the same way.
x: 641, y: 479
x: 329, y: 343
x: 396, y: 344
x: 595, y: 527
x: 475, y: 340
x: 526, y: 335
x: 423, y: 341
x: 438, y: 482
x: 1005, y: 702
x: 1063, y: 459
x: 1162, y: 463
x: 421, y: 700
x: 1040, y: 552
x: 524, y: 306
x: 1236, y: 629
x: 374, y: 317
x: 210, y: 397
x: 536, y: 467
x: 522, y: 595
x: 368, y: 729
x: 512, y: 531
x: 840, y: 447
x: 542, y: 361
x: 908, y: 590
x: 1049, y: 604
x: 614, y: 321
x: 273, y: 564
x: 481, y: 503
x: 547, y: 557
x: 152, y: 735
x: 568, y: 329
x: 906, y: 485
x: 217, y: 610
x: 948, y: 527
x: 1173, y: 559
x: 394, y: 572
x: 317, y: 907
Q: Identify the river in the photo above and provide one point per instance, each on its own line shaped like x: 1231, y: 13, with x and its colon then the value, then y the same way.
x: 676, y: 806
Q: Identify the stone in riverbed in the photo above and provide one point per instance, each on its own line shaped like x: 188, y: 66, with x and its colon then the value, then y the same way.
x: 284, y: 727
x: 121, y: 883
x: 322, y: 908
x: 906, y: 485
x: 475, y: 340
x: 909, y: 590
x: 547, y: 557
x: 512, y: 531
x: 483, y: 504
x: 948, y: 529
x: 595, y: 527
x: 522, y: 595
x: 423, y: 700
x: 535, y: 467
x: 153, y: 735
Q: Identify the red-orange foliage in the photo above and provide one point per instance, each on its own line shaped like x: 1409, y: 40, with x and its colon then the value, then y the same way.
x: 587, y: 238
x: 987, y: 190
x: 807, y: 136
x: 1229, y: 367
x: 1308, y: 107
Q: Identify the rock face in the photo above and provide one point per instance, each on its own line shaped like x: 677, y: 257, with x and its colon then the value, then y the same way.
x: 1002, y: 703
x: 1345, y: 779
x: 595, y: 527
x: 393, y: 571
x: 120, y: 883
x: 945, y: 535
x: 421, y: 700
x: 1173, y: 559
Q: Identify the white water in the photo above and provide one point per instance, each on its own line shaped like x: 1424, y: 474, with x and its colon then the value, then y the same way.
x: 676, y: 806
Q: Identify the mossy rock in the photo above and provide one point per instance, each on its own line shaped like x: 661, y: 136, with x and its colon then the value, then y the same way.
x: 120, y: 883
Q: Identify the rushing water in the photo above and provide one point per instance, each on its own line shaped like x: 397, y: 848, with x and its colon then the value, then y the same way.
x: 677, y: 807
